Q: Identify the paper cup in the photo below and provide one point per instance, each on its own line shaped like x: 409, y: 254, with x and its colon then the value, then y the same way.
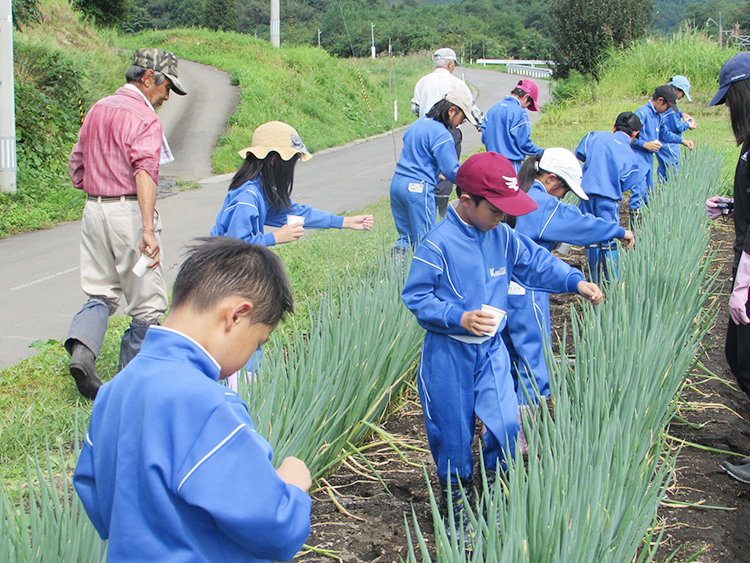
x: 294, y: 219
x: 564, y: 247
x: 141, y: 267
x: 499, y: 316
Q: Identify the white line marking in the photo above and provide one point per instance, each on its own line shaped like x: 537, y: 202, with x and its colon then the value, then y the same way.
x: 376, y: 168
x: 40, y: 280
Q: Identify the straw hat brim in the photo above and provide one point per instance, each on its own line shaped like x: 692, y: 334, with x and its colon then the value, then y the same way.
x: 286, y: 152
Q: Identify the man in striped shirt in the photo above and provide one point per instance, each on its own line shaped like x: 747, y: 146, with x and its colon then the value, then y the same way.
x: 116, y: 162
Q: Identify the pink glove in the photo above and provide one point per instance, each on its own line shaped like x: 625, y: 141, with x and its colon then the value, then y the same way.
x: 714, y: 209
x: 738, y: 299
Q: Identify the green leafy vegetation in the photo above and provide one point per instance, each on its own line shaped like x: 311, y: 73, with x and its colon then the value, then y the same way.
x: 597, y: 468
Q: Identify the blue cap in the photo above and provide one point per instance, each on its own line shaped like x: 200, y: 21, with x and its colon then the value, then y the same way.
x: 735, y: 69
x: 681, y: 83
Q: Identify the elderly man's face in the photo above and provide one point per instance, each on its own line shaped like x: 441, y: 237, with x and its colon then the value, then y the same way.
x: 157, y: 94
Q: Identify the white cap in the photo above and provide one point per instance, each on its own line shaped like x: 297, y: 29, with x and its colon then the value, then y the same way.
x: 563, y: 163
x: 446, y: 53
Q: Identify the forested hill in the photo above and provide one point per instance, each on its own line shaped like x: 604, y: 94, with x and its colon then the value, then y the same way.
x: 479, y: 28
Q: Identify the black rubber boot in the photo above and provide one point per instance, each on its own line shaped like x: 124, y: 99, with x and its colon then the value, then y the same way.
x: 83, y: 370
x: 740, y: 472
x: 463, y: 524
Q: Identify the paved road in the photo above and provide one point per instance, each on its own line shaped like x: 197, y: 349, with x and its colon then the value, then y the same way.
x: 39, y: 279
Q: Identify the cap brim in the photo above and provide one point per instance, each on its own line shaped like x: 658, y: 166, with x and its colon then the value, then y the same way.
x: 720, y: 95
x: 176, y: 85
x: 687, y: 96
x: 578, y: 190
x: 520, y: 204
x: 673, y: 105
x: 533, y: 105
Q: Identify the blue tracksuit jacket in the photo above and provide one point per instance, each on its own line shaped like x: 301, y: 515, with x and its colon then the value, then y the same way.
x: 429, y: 150
x: 528, y: 329
x: 245, y: 212
x: 651, y: 130
x: 506, y: 130
x: 458, y: 268
x: 669, y: 153
x: 172, y: 468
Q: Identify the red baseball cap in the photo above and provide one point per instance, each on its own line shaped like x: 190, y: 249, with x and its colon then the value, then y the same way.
x: 493, y: 177
x: 530, y: 87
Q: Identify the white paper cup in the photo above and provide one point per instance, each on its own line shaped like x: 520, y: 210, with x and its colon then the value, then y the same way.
x: 499, y: 316
x: 294, y: 219
x: 564, y: 247
x: 141, y: 267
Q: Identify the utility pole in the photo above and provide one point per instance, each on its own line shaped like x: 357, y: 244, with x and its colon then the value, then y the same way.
x: 372, y: 30
x: 7, y: 101
x: 318, y: 38
x: 275, y: 24
x: 721, y: 33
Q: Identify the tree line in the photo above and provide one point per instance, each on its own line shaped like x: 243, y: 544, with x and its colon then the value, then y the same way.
x: 575, y: 34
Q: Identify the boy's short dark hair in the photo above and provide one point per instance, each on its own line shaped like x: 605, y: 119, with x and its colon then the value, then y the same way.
x: 477, y: 199
x: 220, y: 267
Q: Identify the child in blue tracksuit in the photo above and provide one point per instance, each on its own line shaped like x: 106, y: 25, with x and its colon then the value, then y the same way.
x: 506, y: 129
x: 259, y: 193
x: 610, y: 169
x: 651, y: 137
x: 429, y: 150
x: 675, y: 122
x: 171, y: 468
x: 467, y: 261
x: 547, y: 178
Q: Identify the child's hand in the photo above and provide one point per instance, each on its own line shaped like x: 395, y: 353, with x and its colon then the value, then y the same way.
x: 689, y: 143
x: 590, y: 291
x: 478, y: 322
x: 652, y: 145
x: 359, y: 222
x: 629, y: 239
x: 289, y: 233
x: 295, y: 472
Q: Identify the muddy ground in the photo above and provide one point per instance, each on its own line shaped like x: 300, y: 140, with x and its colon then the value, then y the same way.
x: 356, y: 519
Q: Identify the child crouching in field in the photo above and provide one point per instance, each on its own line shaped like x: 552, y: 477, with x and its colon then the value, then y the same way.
x: 172, y: 468
x: 465, y: 262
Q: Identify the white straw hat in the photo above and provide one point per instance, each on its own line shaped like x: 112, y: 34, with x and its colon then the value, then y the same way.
x: 279, y: 137
x: 565, y: 165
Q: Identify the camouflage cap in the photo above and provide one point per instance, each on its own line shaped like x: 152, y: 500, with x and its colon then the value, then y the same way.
x: 160, y: 61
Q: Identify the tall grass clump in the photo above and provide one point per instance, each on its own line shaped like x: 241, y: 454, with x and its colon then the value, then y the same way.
x: 319, y: 390
x: 319, y: 95
x: 42, y: 519
x: 639, y: 69
x: 598, y: 469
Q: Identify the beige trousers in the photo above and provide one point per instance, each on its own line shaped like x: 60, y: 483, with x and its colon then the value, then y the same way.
x: 110, y: 235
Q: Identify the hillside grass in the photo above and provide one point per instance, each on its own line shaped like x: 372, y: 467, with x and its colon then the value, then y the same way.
x: 320, y: 95
x: 38, y: 398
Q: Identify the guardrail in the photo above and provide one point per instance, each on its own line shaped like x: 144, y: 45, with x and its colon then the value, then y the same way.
x: 526, y: 67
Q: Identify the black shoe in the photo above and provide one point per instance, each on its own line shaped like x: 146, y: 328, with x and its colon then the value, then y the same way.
x: 739, y: 472
x: 83, y: 370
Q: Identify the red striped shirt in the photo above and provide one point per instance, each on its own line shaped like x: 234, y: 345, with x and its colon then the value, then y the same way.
x: 120, y: 136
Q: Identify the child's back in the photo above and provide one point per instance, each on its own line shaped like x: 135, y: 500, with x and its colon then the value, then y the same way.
x: 172, y: 468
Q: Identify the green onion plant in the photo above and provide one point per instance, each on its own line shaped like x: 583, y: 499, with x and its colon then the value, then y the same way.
x: 598, y: 469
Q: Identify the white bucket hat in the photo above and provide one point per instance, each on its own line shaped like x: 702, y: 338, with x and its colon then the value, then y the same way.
x: 563, y: 163
x: 277, y: 136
